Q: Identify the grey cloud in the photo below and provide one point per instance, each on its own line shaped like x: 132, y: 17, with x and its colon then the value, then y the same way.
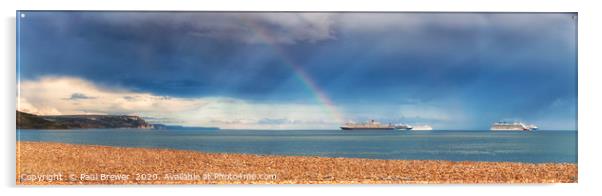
x: 78, y: 96
x: 288, y: 28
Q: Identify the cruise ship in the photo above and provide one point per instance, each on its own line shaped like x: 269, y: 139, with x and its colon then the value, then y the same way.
x: 370, y: 125
x: 512, y: 126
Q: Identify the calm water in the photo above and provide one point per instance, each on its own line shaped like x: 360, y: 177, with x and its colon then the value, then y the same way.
x: 539, y: 146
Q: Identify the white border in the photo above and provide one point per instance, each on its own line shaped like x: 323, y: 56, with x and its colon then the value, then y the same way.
x: 589, y: 77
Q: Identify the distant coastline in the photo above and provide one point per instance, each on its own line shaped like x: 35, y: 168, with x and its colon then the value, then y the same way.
x: 32, y: 121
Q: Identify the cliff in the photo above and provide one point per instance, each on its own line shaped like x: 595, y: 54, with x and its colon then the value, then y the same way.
x: 31, y: 121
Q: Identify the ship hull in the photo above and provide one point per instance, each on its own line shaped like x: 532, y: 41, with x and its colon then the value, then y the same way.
x: 510, y: 130
x: 420, y: 129
x: 374, y: 128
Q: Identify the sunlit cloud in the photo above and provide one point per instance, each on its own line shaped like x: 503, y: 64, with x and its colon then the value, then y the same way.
x: 69, y: 95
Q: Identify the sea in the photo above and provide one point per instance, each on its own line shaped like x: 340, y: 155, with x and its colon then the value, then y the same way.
x: 530, y: 147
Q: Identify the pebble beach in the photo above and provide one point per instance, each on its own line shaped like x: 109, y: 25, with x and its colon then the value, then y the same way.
x: 45, y: 163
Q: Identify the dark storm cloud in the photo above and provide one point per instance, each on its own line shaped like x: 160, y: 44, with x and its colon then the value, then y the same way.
x: 157, y: 52
x: 508, y: 63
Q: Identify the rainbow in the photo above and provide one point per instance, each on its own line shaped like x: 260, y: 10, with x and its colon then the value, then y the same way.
x: 301, y: 74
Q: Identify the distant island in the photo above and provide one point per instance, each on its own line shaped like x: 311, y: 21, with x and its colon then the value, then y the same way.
x: 32, y: 121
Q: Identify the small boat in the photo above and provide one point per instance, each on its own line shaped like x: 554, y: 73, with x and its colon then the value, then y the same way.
x: 422, y: 128
x: 403, y: 127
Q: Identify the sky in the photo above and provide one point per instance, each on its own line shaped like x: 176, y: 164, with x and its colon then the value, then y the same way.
x: 299, y: 70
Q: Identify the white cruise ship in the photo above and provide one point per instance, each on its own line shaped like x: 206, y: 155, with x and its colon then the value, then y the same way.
x: 370, y: 125
x: 512, y: 126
